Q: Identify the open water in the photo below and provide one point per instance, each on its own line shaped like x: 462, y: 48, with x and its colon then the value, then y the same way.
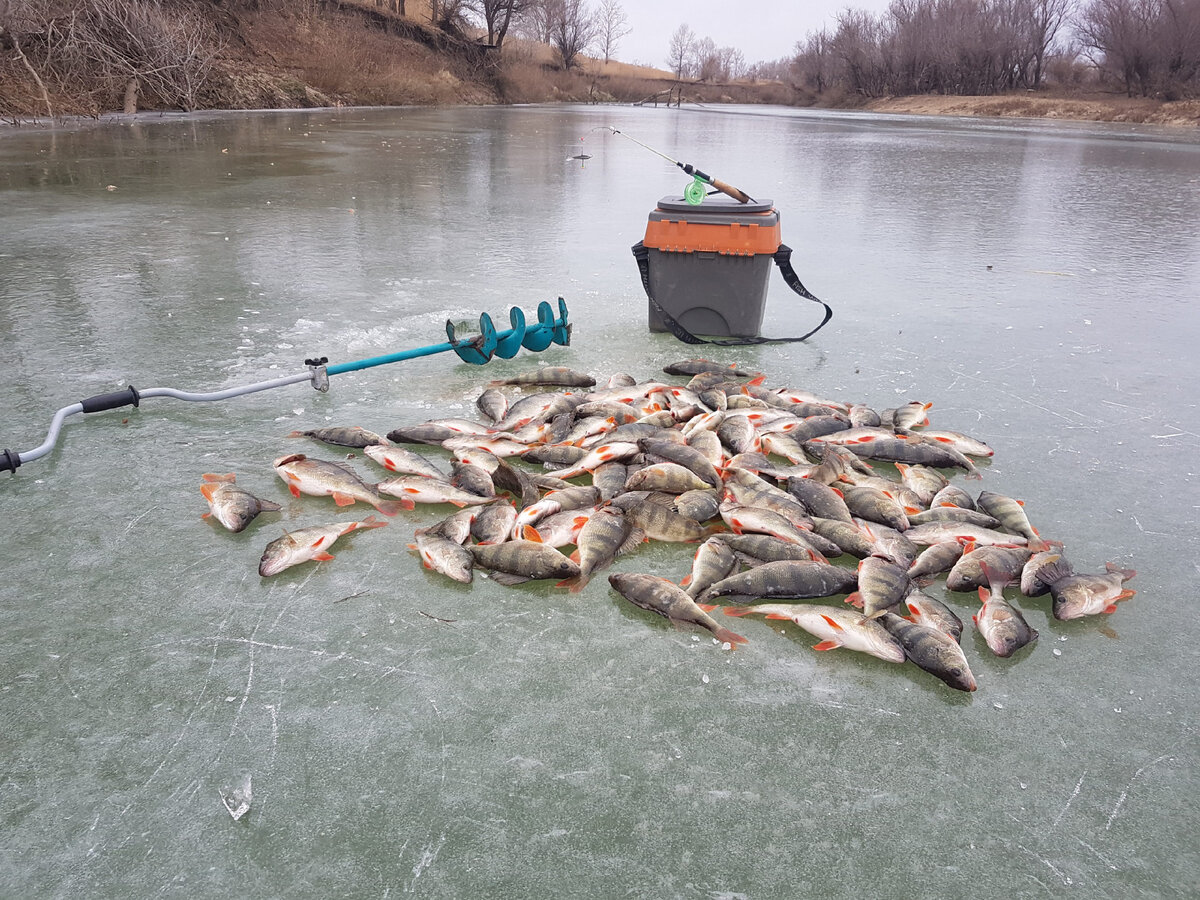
x: 1037, y: 281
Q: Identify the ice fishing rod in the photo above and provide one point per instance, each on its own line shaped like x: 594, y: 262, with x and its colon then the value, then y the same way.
x: 694, y: 193
x: 475, y: 350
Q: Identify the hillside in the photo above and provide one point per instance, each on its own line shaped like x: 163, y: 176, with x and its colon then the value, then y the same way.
x: 255, y: 54
x: 325, y: 53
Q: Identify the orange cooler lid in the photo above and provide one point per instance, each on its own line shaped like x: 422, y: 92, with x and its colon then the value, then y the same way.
x: 718, y: 225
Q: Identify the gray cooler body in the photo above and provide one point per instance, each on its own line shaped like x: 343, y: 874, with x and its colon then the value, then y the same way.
x: 709, y: 265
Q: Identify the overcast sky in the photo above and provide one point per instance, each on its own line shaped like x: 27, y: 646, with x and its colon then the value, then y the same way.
x: 761, y: 29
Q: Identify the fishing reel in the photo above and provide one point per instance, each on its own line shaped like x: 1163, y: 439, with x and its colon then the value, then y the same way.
x: 695, y: 192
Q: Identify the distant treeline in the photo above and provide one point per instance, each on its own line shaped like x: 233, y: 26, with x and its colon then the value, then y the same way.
x: 973, y: 47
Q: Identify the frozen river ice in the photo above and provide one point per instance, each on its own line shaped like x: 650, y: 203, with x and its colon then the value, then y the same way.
x: 395, y: 732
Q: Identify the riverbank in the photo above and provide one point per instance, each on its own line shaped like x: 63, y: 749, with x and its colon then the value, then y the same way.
x: 347, y: 53
x: 1094, y: 108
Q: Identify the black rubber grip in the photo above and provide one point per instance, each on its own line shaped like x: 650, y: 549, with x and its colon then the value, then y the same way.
x: 9, y: 461
x: 101, y: 402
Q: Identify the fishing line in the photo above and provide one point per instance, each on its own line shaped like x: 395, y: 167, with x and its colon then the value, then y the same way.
x: 694, y: 193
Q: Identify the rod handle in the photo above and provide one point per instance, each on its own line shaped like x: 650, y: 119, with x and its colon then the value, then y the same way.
x: 101, y: 402
x: 739, y: 196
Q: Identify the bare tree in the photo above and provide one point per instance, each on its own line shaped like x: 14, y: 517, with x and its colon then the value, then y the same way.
x: 859, y: 48
x: 447, y: 13
x: 139, y: 47
x: 534, y: 23
x: 679, y: 51
x: 16, y: 19
x: 813, y: 64
x: 914, y: 44
x: 1179, y: 30
x: 1118, y: 34
x: 1151, y: 46
x: 1044, y: 19
x: 768, y: 70
x: 703, y: 63
x: 573, y: 29
x: 733, y: 63
x: 613, y: 25
x: 498, y: 16
x: 990, y: 46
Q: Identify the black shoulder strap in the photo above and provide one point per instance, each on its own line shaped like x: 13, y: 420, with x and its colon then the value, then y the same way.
x: 783, y: 259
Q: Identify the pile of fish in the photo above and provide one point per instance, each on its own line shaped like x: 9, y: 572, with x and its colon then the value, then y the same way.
x: 770, y: 483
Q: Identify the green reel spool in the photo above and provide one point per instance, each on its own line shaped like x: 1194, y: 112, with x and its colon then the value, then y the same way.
x: 695, y: 192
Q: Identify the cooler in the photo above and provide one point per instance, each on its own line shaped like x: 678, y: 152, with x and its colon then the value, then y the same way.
x: 709, y: 265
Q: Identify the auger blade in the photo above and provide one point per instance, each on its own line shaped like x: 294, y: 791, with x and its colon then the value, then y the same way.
x: 541, y: 336
x: 562, y: 331
x: 476, y: 350
x: 509, y: 342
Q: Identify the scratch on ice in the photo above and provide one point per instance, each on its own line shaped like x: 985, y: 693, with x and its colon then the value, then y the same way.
x: 1125, y: 793
x: 1065, y: 879
x: 428, y: 855
x: 1075, y: 793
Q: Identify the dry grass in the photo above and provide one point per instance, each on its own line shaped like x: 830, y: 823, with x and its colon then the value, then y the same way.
x: 1096, y: 107
x: 350, y: 61
x: 364, y: 68
x: 304, y: 53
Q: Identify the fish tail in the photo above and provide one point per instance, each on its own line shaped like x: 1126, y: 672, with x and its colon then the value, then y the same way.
x: 996, y: 580
x: 726, y: 636
x: 1126, y: 574
x: 392, y: 507
x: 738, y: 610
x: 228, y: 478
x: 371, y: 522
x: 576, y: 584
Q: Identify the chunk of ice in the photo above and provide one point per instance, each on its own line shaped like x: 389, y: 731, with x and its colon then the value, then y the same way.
x: 236, y: 798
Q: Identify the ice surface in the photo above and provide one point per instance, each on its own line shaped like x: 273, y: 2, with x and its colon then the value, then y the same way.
x: 544, y: 744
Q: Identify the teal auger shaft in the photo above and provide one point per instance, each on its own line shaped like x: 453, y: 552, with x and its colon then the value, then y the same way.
x: 384, y: 360
x: 475, y: 350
